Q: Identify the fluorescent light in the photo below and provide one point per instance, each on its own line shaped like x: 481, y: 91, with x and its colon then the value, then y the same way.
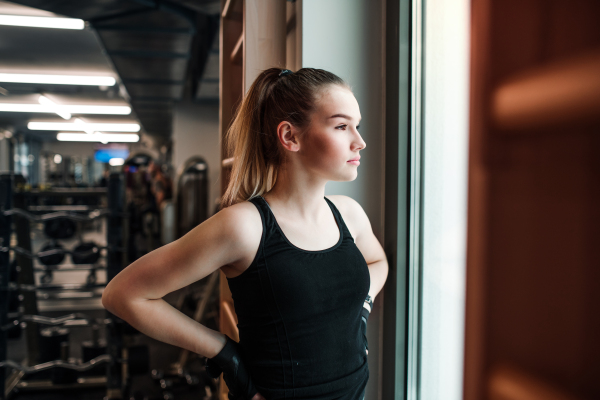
x: 75, y: 127
x: 83, y: 109
x: 71, y: 109
x: 53, y: 106
x: 83, y: 127
x: 98, y: 137
x: 58, y: 79
x: 116, y: 161
x: 42, y: 22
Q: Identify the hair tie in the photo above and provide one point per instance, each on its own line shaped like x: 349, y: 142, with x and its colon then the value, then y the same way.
x: 285, y: 72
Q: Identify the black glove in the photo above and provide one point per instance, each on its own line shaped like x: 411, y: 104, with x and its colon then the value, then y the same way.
x: 229, y: 362
x: 364, y: 314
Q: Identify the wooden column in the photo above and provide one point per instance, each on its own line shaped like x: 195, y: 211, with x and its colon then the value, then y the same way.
x: 265, y: 37
x: 532, y: 301
x: 253, y: 37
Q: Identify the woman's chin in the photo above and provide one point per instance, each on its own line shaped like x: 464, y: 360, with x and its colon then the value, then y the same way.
x: 347, y: 178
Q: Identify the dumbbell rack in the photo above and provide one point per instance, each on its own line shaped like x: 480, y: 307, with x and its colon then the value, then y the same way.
x: 119, y: 358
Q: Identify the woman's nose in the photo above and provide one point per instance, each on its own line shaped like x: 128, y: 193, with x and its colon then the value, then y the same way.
x: 360, y: 141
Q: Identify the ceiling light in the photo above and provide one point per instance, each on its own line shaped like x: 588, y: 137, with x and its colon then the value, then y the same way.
x: 116, y: 161
x: 78, y: 127
x: 54, y: 107
x: 98, y: 137
x: 83, y: 127
x: 71, y: 109
x: 42, y: 22
x: 86, y: 109
x: 58, y: 79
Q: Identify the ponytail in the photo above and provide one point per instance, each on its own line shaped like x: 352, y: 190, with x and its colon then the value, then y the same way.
x: 252, y: 137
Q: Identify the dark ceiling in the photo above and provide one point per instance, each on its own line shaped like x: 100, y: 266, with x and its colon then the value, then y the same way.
x: 158, y: 48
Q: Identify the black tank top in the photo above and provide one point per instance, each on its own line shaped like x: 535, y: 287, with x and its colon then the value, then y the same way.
x: 299, y: 315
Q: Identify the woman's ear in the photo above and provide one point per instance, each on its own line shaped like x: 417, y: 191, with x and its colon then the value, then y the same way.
x: 288, y: 136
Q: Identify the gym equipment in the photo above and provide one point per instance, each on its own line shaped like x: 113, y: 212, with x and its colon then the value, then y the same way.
x: 50, y: 340
x: 14, y: 298
x: 21, y: 205
x: 92, y: 278
x: 52, y: 254
x: 191, y: 194
x: 47, y: 278
x: 64, y: 375
x: 14, y: 271
x: 85, y: 253
x: 167, y: 222
x: 91, y: 349
x: 56, y: 363
x: 60, y: 228
x: 14, y: 332
x: 164, y: 382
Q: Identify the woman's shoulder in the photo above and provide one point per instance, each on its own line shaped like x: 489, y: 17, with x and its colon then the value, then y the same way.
x: 346, y: 206
x: 248, y: 224
x: 246, y: 217
x: 345, y: 203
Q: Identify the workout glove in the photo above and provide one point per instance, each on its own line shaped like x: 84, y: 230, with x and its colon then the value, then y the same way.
x: 229, y: 362
x: 364, y: 317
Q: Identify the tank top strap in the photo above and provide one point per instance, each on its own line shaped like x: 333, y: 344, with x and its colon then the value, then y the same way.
x: 270, y: 225
x: 268, y: 219
x: 338, y: 217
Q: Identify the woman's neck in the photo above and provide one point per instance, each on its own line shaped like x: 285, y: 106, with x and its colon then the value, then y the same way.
x: 298, y: 196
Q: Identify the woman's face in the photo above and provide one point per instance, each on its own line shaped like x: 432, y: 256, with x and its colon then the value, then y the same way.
x: 332, y: 138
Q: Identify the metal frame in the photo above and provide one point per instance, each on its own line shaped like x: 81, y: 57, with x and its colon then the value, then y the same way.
x: 116, y: 236
x: 403, y: 165
x: 416, y: 216
x: 6, y: 184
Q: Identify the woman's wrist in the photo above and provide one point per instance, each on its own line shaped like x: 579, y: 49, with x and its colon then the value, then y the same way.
x: 229, y: 362
x: 216, y: 344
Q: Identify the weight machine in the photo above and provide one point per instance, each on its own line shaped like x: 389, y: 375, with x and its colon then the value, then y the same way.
x: 108, y: 363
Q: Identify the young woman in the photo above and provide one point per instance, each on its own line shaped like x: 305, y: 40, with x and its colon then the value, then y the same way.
x: 302, y: 268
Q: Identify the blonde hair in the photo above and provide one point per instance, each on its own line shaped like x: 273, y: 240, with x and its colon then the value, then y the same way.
x: 252, y: 137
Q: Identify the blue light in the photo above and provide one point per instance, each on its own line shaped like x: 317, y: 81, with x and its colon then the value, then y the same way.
x: 104, y: 155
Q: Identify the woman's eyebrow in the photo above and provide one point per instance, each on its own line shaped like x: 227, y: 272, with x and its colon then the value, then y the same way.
x: 342, y: 116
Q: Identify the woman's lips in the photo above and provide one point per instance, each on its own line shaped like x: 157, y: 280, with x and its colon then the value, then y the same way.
x: 354, y: 162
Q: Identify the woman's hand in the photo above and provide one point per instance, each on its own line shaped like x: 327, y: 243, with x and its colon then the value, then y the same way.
x: 229, y: 363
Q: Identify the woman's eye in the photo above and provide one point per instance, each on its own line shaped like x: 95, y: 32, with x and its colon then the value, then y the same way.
x: 344, y: 127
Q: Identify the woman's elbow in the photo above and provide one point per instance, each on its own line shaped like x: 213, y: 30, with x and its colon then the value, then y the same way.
x: 113, y: 299
x: 108, y: 300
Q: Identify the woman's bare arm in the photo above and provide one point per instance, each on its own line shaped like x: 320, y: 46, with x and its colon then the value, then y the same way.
x: 369, y: 246
x: 136, y: 293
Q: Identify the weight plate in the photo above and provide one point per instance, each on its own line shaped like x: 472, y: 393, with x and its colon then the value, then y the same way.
x: 52, y: 259
x: 85, y: 253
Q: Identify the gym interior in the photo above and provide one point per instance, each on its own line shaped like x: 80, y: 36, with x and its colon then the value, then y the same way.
x: 480, y: 180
